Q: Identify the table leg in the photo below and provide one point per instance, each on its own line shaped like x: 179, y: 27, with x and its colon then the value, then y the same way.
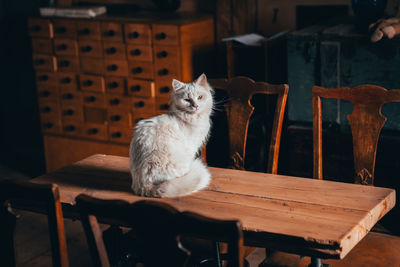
x: 317, y: 262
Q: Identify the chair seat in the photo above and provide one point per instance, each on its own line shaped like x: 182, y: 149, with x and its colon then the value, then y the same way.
x: 375, y: 250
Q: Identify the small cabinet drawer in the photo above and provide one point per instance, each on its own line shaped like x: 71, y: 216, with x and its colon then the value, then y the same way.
x: 44, y: 62
x: 67, y: 81
x: 114, y: 50
x: 142, y: 70
x: 116, y: 67
x: 90, y: 48
x: 72, y: 128
x: 163, y: 88
x: 65, y: 47
x: 118, y: 101
x: 93, y: 100
x: 95, y: 131
x: 47, y: 94
x: 143, y: 105
x: 49, y: 109
x: 92, y: 65
x: 139, y: 52
x: 137, y: 33
x: 140, y: 88
x: 119, y: 117
x: 67, y: 64
x: 72, y: 112
x: 111, y: 31
x: 42, y: 46
x: 120, y: 134
x: 91, y: 83
x: 46, y: 79
x: 88, y: 30
x: 165, y: 34
x: 162, y: 105
x: 95, y: 115
x: 70, y: 97
x: 64, y: 28
x: 40, y: 28
x: 115, y: 85
x: 50, y: 124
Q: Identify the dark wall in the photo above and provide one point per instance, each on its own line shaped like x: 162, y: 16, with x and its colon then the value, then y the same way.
x: 21, y: 145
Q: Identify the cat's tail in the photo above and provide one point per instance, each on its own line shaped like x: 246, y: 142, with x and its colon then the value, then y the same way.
x: 196, y: 179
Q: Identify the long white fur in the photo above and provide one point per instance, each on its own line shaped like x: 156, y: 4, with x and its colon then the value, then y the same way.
x: 163, y: 149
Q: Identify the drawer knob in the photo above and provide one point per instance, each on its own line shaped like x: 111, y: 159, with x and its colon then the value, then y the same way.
x: 68, y: 96
x: 116, y: 118
x: 116, y: 135
x: 111, y: 50
x: 137, y: 70
x: 66, y: 80
x: 162, y: 54
x: 64, y: 63
x: 36, y: 28
x: 91, y: 99
x: 112, y: 67
x: 62, y: 47
x: 43, y: 78
x: 39, y: 61
x: 136, y: 52
x: 70, y: 128
x: 88, y: 83
x: 164, y: 106
x: 161, y: 36
x: 139, y: 104
x: 164, y: 89
x: 45, y: 93
x: 48, y: 125
x: 85, y: 31
x: 93, y: 131
x: 113, y: 85
x: 133, y: 35
x: 110, y: 33
x: 163, y: 72
x: 135, y: 88
x: 46, y: 109
x: 87, y: 48
x: 61, y: 30
x: 114, y: 101
x: 69, y: 112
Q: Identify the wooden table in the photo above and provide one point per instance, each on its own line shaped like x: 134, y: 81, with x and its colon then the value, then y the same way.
x: 310, y: 217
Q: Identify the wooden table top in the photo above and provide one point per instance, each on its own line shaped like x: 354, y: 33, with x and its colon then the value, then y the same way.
x: 305, y: 216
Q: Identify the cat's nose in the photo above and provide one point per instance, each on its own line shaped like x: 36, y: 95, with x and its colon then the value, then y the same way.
x: 195, y: 106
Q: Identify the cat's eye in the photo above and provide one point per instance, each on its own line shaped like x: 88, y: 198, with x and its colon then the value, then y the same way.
x: 200, y: 97
x: 187, y: 99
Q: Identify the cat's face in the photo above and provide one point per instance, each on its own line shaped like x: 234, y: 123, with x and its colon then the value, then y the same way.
x: 192, y: 97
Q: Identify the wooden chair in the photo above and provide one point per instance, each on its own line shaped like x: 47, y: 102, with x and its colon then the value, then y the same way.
x: 240, y: 90
x: 158, y: 227
x: 48, y: 198
x: 366, y: 122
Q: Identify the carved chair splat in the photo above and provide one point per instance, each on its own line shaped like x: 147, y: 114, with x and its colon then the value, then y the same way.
x: 366, y: 122
x: 158, y: 227
x: 45, y: 195
x: 239, y: 110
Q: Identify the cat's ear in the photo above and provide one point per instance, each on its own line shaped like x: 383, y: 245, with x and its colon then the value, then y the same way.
x: 176, y: 85
x: 202, y: 81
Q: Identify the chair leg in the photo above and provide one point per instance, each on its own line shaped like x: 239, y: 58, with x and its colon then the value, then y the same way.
x: 112, y: 240
x: 317, y: 262
x: 7, y: 227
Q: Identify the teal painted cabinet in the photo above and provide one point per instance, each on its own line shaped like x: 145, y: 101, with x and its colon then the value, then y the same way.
x: 339, y: 56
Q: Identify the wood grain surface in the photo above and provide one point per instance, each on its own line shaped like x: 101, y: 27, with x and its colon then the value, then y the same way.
x: 299, y: 215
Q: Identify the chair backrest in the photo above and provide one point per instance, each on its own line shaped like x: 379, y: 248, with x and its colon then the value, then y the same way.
x: 366, y: 122
x: 239, y: 110
x: 159, y: 227
x: 47, y: 197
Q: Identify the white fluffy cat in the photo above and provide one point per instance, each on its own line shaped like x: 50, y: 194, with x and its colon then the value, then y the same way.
x: 163, y: 150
